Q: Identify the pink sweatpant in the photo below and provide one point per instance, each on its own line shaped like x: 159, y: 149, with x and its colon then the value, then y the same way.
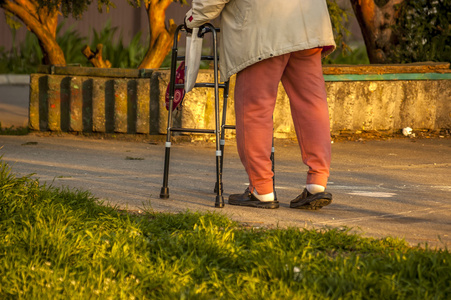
x: 255, y: 99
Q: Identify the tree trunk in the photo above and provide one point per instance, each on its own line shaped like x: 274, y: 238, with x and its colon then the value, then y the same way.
x: 42, y: 23
x: 376, y: 18
x: 160, y: 37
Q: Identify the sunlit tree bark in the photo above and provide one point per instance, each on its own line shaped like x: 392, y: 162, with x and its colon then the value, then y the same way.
x: 42, y: 22
x: 376, y: 18
x: 161, y: 36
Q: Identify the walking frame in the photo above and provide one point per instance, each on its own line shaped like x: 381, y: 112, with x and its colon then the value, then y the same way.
x: 220, y: 127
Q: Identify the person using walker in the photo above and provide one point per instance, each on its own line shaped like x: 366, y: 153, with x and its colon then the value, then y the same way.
x: 264, y: 42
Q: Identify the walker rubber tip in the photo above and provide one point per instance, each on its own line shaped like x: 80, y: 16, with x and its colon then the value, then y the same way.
x: 219, y: 202
x: 164, y: 194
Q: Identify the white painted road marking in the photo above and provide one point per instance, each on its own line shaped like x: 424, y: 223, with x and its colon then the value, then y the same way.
x: 373, y: 194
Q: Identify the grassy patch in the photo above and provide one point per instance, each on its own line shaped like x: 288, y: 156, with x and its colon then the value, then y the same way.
x: 63, y: 244
x: 13, y: 130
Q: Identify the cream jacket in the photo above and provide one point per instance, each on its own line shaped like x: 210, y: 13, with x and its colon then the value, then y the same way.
x: 253, y: 30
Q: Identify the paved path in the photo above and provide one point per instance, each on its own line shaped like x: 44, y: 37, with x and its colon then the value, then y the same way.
x: 399, y: 187
x: 14, y: 105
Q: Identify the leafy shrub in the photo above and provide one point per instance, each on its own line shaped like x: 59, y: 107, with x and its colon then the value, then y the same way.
x: 23, y: 59
x: 423, y: 29
x: 344, y: 54
x: 354, y: 56
x: 26, y: 57
x: 71, y: 44
x: 115, y: 51
x: 339, y: 18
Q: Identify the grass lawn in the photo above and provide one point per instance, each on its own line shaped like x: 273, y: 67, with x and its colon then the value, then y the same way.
x: 64, y: 244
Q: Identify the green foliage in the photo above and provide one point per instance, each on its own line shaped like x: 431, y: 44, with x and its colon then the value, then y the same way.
x: 344, y: 54
x: 75, y: 8
x: 25, y: 58
x: 423, y: 29
x: 357, y: 56
x: 61, y: 244
x: 339, y: 18
x: 12, y: 21
x: 71, y: 44
x: 114, y: 50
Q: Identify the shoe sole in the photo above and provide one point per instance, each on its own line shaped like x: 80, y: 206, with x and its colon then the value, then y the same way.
x: 315, y: 204
x: 270, y: 205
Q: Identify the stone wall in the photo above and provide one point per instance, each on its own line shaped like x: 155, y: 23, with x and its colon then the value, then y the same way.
x: 381, y: 98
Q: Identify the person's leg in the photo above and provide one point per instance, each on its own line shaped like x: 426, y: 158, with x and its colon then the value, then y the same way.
x: 304, y: 83
x: 255, y: 98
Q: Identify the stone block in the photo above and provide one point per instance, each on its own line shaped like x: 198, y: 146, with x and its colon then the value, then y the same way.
x: 54, y: 103
x: 120, y: 106
x: 33, y: 119
x: 76, y: 105
x: 143, y: 96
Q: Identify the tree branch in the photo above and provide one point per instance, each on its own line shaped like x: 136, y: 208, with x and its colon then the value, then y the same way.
x: 156, y: 12
x: 161, y: 36
x: 155, y: 55
x: 51, y: 50
x: 96, y: 58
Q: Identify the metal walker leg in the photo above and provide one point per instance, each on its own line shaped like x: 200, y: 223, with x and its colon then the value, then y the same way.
x: 219, y: 134
x: 219, y: 127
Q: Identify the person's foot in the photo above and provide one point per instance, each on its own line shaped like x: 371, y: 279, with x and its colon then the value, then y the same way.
x: 249, y: 199
x: 307, y: 200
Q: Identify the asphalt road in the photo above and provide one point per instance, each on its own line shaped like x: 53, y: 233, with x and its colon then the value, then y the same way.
x: 398, y: 187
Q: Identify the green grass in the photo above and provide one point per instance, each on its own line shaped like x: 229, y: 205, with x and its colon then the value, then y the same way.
x: 13, y: 130
x: 64, y: 244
